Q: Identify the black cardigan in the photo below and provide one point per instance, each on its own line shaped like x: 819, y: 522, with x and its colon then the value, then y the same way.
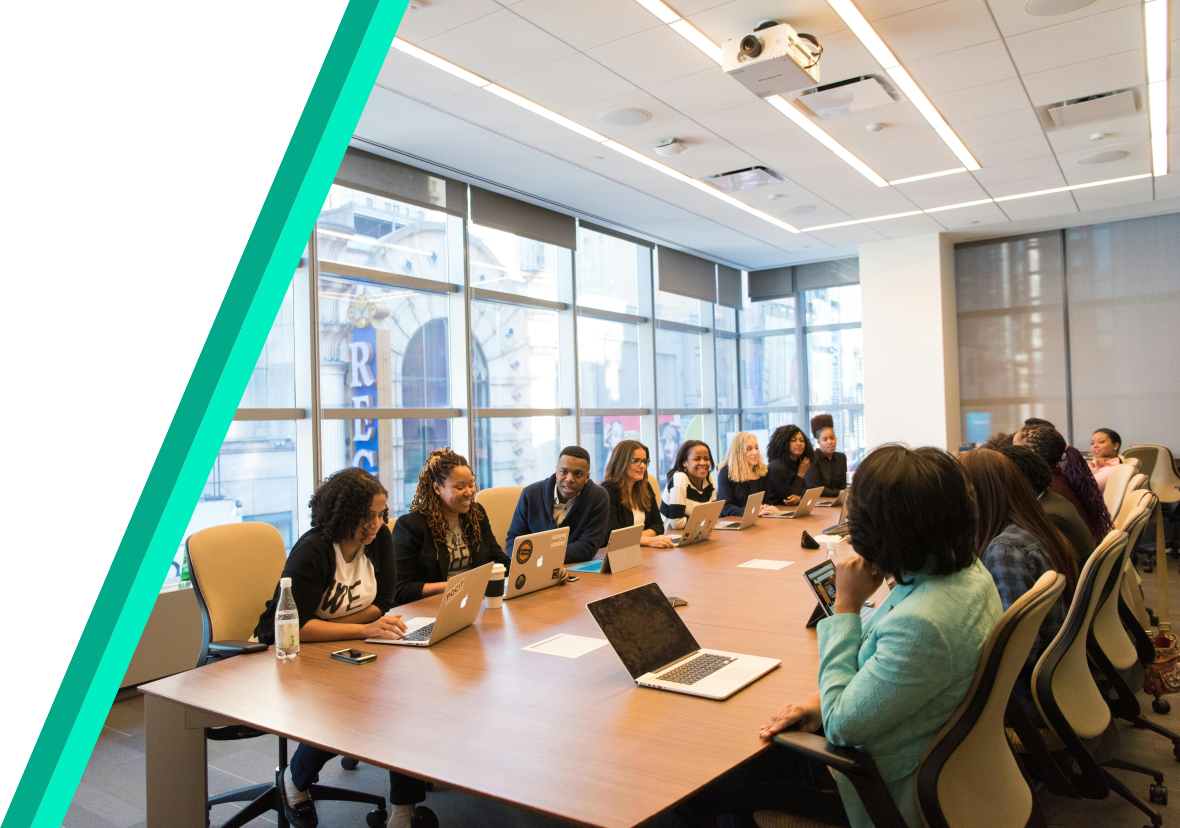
x: 419, y: 562
x: 735, y: 495
x: 785, y: 480
x: 831, y: 473
x: 621, y: 517
x: 311, y: 566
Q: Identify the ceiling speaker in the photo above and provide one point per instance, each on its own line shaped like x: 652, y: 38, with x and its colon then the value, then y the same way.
x: 1104, y: 157
x: 624, y: 117
x: 1048, y: 8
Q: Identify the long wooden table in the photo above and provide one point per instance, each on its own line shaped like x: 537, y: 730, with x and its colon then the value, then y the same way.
x: 574, y: 738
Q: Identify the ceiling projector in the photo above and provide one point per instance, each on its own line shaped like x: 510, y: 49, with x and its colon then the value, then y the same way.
x: 774, y: 60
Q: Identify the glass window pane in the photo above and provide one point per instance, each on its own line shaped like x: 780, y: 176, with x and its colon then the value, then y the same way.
x: 272, y: 385
x: 515, y: 451
x: 514, y: 364
x: 772, y: 315
x: 382, y: 346
x: 850, y: 432
x: 372, y: 231
x: 835, y: 375
x: 678, y: 369
x: 608, y: 353
x: 676, y: 308
x: 600, y: 435
x: 770, y: 372
x: 725, y: 319
x: 727, y: 372
x: 833, y: 306
x: 674, y: 430
x: 511, y: 264
x: 727, y: 427
x: 609, y: 272
x: 392, y: 450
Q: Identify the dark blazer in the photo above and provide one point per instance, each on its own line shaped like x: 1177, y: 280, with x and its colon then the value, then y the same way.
x: 587, y: 518
x: 620, y: 516
x: 784, y: 481
x: 1066, y: 518
x: 735, y: 495
x: 311, y: 566
x: 421, y: 562
x: 831, y: 473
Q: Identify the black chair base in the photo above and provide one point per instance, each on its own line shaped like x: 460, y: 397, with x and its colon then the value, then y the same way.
x: 264, y: 798
x: 1122, y: 790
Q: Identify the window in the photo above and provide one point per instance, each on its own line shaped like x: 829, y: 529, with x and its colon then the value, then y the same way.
x: 610, y: 271
x: 510, y: 264
x: 394, y: 237
x: 835, y: 373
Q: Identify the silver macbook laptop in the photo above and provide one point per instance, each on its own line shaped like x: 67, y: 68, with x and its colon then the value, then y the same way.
x: 536, y: 561
x: 658, y: 650
x: 804, y: 507
x: 841, y: 528
x: 460, y: 604
x: 837, y: 501
x: 749, y: 516
x: 621, y: 553
x: 700, y: 522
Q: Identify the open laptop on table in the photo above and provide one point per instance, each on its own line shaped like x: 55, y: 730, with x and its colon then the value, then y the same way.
x: 536, y: 561
x: 700, y: 522
x: 749, y: 516
x: 837, y: 501
x: 460, y: 605
x: 621, y: 553
x: 658, y: 650
x: 840, y: 528
x: 804, y: 507
x: 822, y: 580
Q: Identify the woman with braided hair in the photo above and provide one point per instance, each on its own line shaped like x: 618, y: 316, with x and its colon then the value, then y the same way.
x: 1072, y: 478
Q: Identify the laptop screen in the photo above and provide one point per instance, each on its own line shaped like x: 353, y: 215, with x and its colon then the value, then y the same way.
x: 822, y: 580
x: 643, y: 629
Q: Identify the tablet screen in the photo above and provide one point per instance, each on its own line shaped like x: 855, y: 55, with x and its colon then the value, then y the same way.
x: 822, y: 579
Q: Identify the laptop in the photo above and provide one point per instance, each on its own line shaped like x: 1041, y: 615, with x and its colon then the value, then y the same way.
x: 804, y: 507
x: 839, y: 500
x: 622, y: 552
x: 822, y: 580
x: 749, y: 516
x: 536, y: 561
x: 840, y: 528
x: 700, y: 522
x: 658, y: 650
x: 460, y: 604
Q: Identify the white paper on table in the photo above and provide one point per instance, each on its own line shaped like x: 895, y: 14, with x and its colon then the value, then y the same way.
x: 566, y: 646
x: 759, y: 563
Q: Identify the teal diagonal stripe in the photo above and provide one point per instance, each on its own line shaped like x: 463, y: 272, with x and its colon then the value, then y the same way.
x: 227, y: 358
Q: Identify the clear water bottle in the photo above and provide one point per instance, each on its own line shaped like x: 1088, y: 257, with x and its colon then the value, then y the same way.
x: 286, y: 623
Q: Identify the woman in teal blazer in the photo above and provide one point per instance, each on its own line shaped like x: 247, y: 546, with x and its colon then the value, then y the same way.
x: 887, y: 685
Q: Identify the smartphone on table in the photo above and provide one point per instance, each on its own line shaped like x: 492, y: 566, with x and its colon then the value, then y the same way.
x: 354, y: 656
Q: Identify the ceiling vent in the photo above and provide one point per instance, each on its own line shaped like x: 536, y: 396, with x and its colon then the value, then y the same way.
x: 835, y: 100
x: 745, y: 179
x: 1104, y: 107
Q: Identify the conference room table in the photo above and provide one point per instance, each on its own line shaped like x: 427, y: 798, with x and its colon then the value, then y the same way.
x: 571, y: 737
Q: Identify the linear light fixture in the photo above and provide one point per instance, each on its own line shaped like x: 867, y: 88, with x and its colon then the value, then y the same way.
x: 438, y: 63
x: 1072, y: 187
x: 683, y: 28
x: 865, y: 33
x: 1155, y: 22
x: 806, y: 124
x: 928, y: 175
x: 548, y: 114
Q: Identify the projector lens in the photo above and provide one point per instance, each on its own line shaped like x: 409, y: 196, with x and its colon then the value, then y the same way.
x: 751, y: 46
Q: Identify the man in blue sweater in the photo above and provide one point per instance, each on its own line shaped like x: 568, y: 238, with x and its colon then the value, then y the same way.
x: 567, y: 498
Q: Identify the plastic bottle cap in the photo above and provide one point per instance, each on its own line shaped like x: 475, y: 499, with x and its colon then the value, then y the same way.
x: 284, y: 582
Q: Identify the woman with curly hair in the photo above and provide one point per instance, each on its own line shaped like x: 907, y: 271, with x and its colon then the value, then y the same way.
x: 789, y: 453
x: 830, y: 469
x: 342, y: 578
x: 1072, y: 478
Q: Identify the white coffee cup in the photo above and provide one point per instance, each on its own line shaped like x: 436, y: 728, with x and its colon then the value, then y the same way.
x: 495, y: 590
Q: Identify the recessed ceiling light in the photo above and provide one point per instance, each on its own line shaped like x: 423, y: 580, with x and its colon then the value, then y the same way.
x: 1104, y: 157
x: 624, y: 117
x: 1049, y: 8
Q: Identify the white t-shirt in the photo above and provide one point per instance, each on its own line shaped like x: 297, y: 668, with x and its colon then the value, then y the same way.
x: 639, y: 517
x: 354, y: 588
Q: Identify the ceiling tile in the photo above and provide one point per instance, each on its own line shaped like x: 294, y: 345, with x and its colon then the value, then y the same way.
x: 586, y: 25
x: 549, y: 137
x: 1013, y: 19
x: 1114, y: 195
x: 432, y: 19
x: 655, y: 56
x: 855, y: 234
x: 1167, y: 187
x: 704, y: 92
x: 1117, y: 131
x: 937, y: 29
x: 1078, y: 40
x: 1008, y: 152
x: 687, y: 8
x: 737, y: 18
x: 484, y: 109
x: 944, y: 160
x: 660, y: 113
x: 712, y: 161
x: 882, y: 201
x: 785, y: 148
x: 982, y: 101
x: 965, y: 190
x: 1008, y: 175
x: 691, y: 134
x: 498, y: 46
x: 965, y: 217
x: 570, y: 83
x: 890, y: 157
x: 419, y: 80
x: 995, y: 128
x: 962, y: 69
x: 877, y: 9
x: 1090, y: 77
x: 908, y: 226
x: 900, y: 118
x: 743, y: 123
x: 1136, y: 162
x: 1055, y: 204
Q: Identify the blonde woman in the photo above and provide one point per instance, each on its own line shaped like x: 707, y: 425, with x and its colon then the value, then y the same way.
x: 742, y: 474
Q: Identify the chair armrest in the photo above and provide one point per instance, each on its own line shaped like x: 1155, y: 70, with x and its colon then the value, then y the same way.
x: 225, y: 649
x: 849, y: 761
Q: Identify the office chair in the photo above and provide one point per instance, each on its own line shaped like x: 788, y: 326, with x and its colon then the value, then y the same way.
x: 500, y: 504
x: 234, y: 572
x: 1160, y: 467
x: 1117, y: 483
x: 969, y: 777
x: 1070, y: 702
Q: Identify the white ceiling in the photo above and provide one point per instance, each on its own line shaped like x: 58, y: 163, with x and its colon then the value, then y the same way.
x: 988, y: 66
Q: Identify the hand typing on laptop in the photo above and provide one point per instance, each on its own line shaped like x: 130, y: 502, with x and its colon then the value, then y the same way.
x: 856, y: 581
x: 387, y: 626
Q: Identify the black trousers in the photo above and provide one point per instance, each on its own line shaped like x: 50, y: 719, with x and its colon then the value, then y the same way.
x: 307, y: 762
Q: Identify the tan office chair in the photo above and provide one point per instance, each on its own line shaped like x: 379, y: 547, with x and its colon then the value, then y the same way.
x: 1133, y: 461
x: 500, y: 504
x: 657, y: 488
x: 969, y: 777
x: 1160, y: 467
x: 235, y: 570
x: 1117, y: 483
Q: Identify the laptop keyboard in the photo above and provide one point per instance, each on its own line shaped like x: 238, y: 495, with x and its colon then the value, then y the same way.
x: 420, y: 634
x: 690, y: 672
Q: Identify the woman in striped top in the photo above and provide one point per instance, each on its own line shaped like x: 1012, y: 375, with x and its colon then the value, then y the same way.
x: 690, y: 482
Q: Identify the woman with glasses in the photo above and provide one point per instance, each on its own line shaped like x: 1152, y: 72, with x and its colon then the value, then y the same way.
x: 632, y: 501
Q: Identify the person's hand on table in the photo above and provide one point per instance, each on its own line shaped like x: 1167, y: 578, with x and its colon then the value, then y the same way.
x: 804, y: 715
x: 562, y: 576
x: 387, y: 626
x: 856, y: 581
x: 792, y: 500
x: 767, y: 510
x: 657, y: 542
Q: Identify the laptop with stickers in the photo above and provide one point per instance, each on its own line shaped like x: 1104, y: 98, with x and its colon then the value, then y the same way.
x: 536, y: 561
x: 460, y: 604
x: 701, y: 521
x: 621, y: 553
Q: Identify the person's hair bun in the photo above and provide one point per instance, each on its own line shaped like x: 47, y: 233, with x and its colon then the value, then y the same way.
x: 819, y: 422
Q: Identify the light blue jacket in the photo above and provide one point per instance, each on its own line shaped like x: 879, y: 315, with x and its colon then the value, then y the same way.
x: 889, y: 685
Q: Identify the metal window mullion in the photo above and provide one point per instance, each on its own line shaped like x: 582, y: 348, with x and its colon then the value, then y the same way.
x: 575, y: 367
x: 841, y: 326
x: 256, y: 414
x: 611, y: 316
x: 486, y: 295
x: 386, y: 277
x: 801, y: 351
x: 313, y: 281
x: 391, y: 413
x: 469, y: 353
x: 681, y: 326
